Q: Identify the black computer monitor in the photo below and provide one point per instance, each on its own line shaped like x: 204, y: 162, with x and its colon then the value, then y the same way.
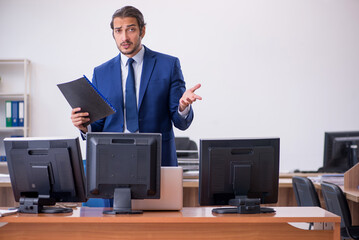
x: 340, y: 151
x: 240, y: 172
x: 44, y: 171
x: 123, y: 166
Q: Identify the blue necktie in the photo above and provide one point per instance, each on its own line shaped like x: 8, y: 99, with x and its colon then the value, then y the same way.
x: 131, y: 102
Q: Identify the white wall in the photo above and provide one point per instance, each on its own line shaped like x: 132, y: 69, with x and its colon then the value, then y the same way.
x: 286, y: 68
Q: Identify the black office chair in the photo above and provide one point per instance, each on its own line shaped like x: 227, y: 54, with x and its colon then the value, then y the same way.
x: 184, y: 143
x: 336, y: 203
x: 186, y: 148
x: 305, y: 193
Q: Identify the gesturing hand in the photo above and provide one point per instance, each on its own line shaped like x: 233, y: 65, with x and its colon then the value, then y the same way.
x: 189, y: 97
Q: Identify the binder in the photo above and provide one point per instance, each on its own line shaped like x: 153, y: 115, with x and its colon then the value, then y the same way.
x: 21, y: 113
x: 15, y: 113
x: 82, y: 93
x: 8, y: 113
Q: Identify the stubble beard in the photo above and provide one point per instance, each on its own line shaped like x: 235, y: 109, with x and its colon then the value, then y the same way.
x: 136, y: 48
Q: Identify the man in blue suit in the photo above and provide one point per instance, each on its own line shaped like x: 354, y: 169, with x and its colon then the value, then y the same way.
x: 159, y: 95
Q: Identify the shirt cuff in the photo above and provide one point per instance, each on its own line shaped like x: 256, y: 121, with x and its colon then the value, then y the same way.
x: 185, y: 112
x: 83, y: 135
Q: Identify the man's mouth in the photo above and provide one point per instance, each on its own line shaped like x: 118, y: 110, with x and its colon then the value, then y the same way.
x: 125, y: 45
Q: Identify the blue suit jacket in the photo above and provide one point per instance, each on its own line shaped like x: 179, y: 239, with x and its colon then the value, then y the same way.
x: 161, y: 87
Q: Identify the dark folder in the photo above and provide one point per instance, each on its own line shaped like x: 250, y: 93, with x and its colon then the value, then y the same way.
x: 82, y: 93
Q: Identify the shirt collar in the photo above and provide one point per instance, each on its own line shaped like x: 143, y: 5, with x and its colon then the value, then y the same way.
x: 138, y: 57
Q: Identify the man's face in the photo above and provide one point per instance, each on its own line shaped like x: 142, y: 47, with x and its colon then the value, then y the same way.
x: 127, y: 35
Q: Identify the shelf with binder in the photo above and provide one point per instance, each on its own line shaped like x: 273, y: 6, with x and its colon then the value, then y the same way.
x: 14, y: 110
x: 187, y: 156
x: 188, y: 160
x: 14, y: 99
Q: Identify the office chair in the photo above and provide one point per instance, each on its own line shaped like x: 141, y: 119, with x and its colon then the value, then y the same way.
x: 305, y: 193
x: 184, y: 143
x: 336, y: 203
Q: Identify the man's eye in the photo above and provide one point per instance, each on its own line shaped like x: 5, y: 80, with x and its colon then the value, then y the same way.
x: 131, y: 30
x: 117, y: 30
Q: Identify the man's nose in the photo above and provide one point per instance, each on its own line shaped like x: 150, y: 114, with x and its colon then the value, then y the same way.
x: 124, y: 36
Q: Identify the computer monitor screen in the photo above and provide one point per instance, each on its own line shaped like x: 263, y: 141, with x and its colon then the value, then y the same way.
x: 123, y: 166
x: 340, y: 151
x: 44, y: 171
x: 240, y: 172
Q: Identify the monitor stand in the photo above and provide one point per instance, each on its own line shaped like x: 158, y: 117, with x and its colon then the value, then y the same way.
x: 244, y: 205
x: 241, y: 185
x: 34, y: 205
x: 122, y: 202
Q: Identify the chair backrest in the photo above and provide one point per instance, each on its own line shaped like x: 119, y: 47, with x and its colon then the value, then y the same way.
x: 184, y: 143
x: 336, y: 203
x: 304, y: 191
x: 186, y: 148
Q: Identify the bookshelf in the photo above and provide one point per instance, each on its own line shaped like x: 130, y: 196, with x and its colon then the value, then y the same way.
x: 14, y: 86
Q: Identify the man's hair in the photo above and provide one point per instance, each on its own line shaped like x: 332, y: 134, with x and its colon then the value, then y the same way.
x: 129, y: 11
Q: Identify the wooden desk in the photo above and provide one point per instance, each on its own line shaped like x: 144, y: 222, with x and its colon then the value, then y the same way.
x: 6, y: 195
x: 352, y: 197
x: 190, y: 196
x: 190, y: 193
x: 190, y: 223
x: 285, y: 196
x: 353, y: 202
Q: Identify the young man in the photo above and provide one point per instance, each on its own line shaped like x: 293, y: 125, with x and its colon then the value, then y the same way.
x: 159, y: 98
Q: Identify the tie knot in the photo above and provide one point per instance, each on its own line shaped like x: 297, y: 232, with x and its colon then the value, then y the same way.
x: 130, y: 61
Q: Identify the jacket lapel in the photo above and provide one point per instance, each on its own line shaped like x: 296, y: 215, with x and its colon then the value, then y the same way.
x: 149, y: 61
x: 117, y: 80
